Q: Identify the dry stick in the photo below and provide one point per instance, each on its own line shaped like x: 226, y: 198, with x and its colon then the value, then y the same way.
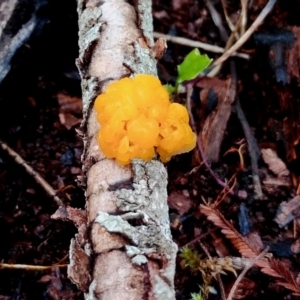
x: 253, y: 149
x: 221, y: 286
x: 234, y: 31
x: 243, y: 273
x: 247, y: 34
x: 61, y: 260
x: 218, y: 202
x: 30, y: 267
x: 216, y: 19
x: 196, y: 44
x: 229, y: 23
x: 39, y: 179
x: 244, y: 4
x: 224, y: 36
x: 223, y: 33
x: 198, y: 238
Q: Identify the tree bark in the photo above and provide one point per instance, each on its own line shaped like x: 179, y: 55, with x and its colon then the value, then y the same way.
x: 126, y: 242
x: 18, y: 20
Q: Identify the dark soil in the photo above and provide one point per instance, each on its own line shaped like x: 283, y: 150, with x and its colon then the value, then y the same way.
x: 30, y: 124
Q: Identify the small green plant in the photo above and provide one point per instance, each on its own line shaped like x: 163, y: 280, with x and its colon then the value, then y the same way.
x: 197, y: 296
x: 190, y: 258
x: 209, y: 268
x: 193, y: 64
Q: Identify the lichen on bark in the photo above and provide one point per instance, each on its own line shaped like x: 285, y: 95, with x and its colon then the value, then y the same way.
x: 133, y: 254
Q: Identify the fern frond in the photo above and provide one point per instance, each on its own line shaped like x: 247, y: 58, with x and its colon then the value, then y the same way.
x: 271, y: 267
x: 229, y: 231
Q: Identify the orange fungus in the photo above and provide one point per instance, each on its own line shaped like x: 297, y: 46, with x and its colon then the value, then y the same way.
x: 137, y: 120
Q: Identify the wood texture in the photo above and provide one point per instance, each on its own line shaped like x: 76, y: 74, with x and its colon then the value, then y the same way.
x: 132, y: 255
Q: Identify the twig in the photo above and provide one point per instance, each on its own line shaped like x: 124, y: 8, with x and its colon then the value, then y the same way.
x: 61, y: 260
x: 228, y: 40
x: 223, y: 33
x: 254, y: 151
x: 38, y: 178
x: 247, y: 34
x: 244, y: 4
x: 196, y: 44
x: 30, y: 267
x: 204, y: 248
x: 216, y: 18
x: 242, y: 161
x: 221, y: 286
x: 226, y: 192
x: 243, y: 273
x: 44, y: 242
x: 197, y: 238
x: 229, y: 23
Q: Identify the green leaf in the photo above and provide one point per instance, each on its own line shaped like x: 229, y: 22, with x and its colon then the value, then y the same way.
x: 193, y: 64
x: 197, y: 296
x: 170, y: 88
x: 190, y: 258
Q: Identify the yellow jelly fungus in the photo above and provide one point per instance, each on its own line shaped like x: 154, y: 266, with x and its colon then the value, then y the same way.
x: 137, y: 120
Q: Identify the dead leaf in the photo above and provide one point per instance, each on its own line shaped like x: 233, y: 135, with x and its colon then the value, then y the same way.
x: 208, y: 87
x: 215, y: 124
x: 271, y: 183
x: 275, y: 164
x: 288, y: 211
x: 180, y: 202
x: 70, y: 110
x: 68, y: 104
x: 68, y: 120
x: 254, y: 240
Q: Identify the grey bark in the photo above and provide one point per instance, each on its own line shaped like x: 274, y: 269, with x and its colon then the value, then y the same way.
x: 127, y: 241
x: 17, y: 22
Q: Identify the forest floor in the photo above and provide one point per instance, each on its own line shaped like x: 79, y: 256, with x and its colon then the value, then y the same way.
x: 224, y: 197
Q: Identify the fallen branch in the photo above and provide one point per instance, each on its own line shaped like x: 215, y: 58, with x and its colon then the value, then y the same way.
x: 128, y: 250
